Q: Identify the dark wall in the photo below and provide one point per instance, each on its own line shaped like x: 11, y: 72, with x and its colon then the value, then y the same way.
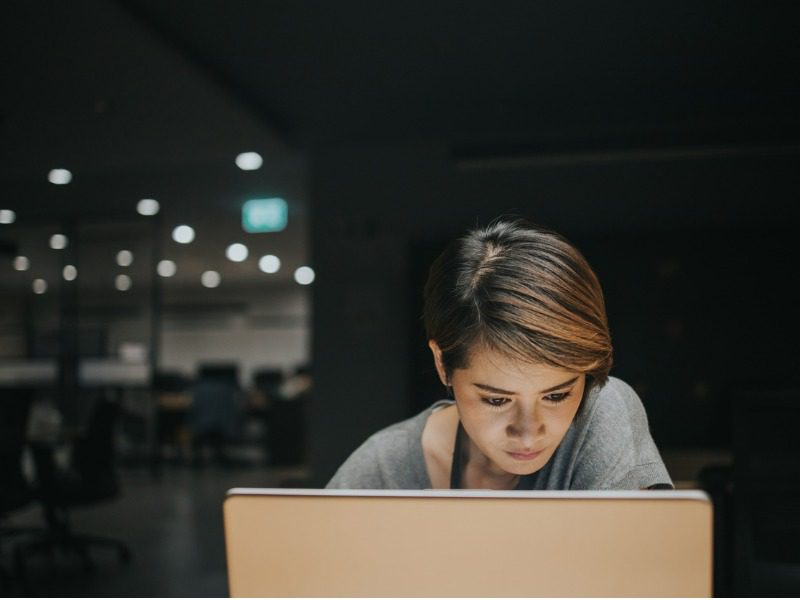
x: 695, y: 255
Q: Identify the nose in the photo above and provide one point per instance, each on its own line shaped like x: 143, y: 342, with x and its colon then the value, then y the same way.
x: 526, y: 425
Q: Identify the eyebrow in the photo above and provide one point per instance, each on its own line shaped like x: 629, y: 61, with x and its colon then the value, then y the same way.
x: 495, y: 390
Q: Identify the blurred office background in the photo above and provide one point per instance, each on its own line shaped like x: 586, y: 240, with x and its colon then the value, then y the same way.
x: 163, y: 338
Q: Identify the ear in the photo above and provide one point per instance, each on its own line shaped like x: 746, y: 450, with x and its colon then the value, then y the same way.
x: 437, y: 359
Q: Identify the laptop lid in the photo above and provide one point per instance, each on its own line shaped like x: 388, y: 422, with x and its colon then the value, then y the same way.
x: 283, y: 542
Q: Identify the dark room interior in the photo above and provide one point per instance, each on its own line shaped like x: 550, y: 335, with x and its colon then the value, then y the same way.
x: 661, y: 138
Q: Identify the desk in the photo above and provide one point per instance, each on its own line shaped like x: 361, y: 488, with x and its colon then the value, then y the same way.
x: 685, y: 465
x: 27, y: 373
x: 92, y: 372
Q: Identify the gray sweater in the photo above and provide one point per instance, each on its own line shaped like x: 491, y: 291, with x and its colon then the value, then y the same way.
x: 607, y: 447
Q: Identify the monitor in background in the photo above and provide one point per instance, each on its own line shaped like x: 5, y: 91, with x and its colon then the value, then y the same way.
x: 467, y: 543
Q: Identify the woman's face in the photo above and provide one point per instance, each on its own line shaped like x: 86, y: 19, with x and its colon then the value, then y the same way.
x: 515, y: 413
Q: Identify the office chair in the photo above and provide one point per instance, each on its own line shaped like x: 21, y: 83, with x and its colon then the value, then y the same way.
x: 172, y: 414
x: 91, y: 479
x: 216, y: 411
x: 717, y: 481
x: 766, y: 485
x: 287, y: 432
x: 15, y: 491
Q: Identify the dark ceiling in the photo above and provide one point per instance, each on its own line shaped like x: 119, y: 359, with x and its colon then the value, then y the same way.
x: 149, y: 85
x: 492, y: 72
x: 154, y: 98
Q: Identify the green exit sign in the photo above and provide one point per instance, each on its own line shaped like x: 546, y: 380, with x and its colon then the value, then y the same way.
x: 264, y: 215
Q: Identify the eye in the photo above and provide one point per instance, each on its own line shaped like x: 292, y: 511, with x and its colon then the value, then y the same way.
x: 495, y: 402
x: 557, y: 397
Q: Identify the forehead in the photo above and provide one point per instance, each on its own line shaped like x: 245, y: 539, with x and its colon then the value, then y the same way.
x: 493, y: 366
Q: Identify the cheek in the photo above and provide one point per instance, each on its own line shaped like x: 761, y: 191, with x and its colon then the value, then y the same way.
x: 562, y: 418
x: 481, y: 423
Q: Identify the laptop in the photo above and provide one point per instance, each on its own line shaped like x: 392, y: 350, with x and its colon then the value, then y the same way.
x: 467, y: 543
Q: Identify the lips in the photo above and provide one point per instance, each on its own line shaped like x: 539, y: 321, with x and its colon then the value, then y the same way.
x: 524, y: 455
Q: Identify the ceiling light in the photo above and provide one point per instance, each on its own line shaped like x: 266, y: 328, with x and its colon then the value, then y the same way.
x: 210, y: 279
x: 166, y: 268
x: 7, y: 216
x: 58, y: 241
x: 124, y: 258
x: 183, y: 234
x: 269, y: 263
x: 59, y: 176
x: 21, y: 263
x: 249, y: 161
x: 304, y: 275
x: 39, y: 286
x: 237, y: 252
x: 122, y: 283
x: 70, y: 273
x: 147, y: 207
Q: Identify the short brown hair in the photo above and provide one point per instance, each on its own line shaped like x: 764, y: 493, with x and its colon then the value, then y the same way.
x: 521, y: 290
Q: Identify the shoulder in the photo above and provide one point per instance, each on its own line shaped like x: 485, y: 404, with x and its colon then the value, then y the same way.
x: 618, y: 389
x: 616, y: 404
x: 616, y: 448
x: 389, y: 459
x: 406, y: 432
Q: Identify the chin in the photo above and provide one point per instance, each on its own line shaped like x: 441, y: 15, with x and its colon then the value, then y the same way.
x: 523, y: 469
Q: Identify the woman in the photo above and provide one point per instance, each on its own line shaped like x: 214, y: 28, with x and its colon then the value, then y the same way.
x: 516, y: 322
